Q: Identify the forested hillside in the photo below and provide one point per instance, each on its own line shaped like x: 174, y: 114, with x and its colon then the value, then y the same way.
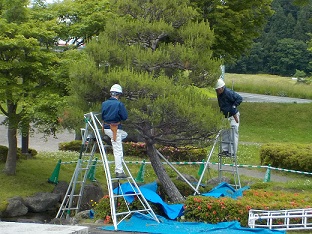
x: 282, y: 49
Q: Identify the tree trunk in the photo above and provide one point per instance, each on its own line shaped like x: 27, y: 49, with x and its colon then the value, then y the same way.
x: 10, y: 165
x: 169, y: 187
x: 25, y: 139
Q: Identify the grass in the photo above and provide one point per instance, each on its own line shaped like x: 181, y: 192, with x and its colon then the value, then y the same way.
x: 276, y: 122
x: 268, y: 84
x: 260, y: 123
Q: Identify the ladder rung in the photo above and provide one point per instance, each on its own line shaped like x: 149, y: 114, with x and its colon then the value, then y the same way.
x: 134, y: 211
x: 127, y: 194
x: 74, y: 195
x: 121, y: 178
x: 74, y: 208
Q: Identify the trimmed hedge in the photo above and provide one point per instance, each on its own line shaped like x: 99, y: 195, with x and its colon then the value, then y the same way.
x: 288, y: 156
x: 174, y: 154
x: 4, y: 152
x: 215, y: 210
x: 185, y: 153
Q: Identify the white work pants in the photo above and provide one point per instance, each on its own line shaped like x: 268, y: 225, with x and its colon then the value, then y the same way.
x: 230, y: 136
x: 117, y: 147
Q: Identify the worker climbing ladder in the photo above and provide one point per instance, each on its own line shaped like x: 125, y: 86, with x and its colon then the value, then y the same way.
x: 92, y: 135
x: 227, y: 162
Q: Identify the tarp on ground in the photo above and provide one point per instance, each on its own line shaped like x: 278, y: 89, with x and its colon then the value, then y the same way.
x: 225, y: 190
x: 173, y: 211
x: 143, y: 224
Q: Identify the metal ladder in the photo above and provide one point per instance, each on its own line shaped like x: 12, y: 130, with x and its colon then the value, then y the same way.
x: 72, y: 199
x: 293, y: 219
x: 206, y: 165
x: 228, y: 162
x: 92, y: 131
x: 222, y: 161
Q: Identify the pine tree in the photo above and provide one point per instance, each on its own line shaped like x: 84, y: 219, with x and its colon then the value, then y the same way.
x: 158, y: 53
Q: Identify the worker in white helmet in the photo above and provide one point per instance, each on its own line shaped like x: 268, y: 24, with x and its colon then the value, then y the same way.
x: 113, y: 112
x: 228, y: 101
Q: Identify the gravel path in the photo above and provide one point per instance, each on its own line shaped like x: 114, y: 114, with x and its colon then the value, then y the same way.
x: 37, y: 141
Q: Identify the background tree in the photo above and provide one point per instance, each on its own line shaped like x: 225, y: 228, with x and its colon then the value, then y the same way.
x: 29, y: 90
x: 290, y: 23
x: 157, y: 51
x: 235, y: 23
x: 80, y: 20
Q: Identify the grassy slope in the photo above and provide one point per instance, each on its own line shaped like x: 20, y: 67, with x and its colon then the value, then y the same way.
x: 276, y: 122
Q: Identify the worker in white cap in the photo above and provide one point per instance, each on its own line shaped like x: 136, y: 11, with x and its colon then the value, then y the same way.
x: 113, y: 112
x: 228, y: 101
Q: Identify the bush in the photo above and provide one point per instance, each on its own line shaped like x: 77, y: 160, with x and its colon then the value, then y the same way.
x: 103, y: 211
x: 215, y: 210
x: 71, y: 146
x: 288, y: 156
x: 4, y: 152
x: 185, y: 153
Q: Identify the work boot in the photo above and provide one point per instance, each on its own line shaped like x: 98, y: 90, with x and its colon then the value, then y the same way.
x: 121, y: 175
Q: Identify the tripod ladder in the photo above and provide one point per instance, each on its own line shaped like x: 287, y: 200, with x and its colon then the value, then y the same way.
x: 72, y: 199
x: 125, y: 192
x: 223, y: 159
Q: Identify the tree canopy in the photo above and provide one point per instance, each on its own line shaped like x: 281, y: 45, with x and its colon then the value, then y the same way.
x: 282, y: 48
x: 158, y: 53
x: 29, y: 89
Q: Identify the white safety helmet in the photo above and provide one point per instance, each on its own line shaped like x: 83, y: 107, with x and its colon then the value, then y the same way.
x: 220, y: 84
x: 116, y: 88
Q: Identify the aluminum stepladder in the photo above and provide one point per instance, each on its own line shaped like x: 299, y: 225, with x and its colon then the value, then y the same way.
x: 228, y: 162
x: 73, y: 197
x: 222, y: 160
x: 93, y: 129
x: 206, y: 165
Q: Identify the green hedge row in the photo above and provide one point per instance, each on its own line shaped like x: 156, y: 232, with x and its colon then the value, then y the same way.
x: 4, y: 152
x: 186, y: 153
x: 215, y: 210
x: 288, y: 156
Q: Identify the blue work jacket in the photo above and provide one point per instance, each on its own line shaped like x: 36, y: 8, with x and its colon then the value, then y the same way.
x: 113, y: 111
x: 228, y: 101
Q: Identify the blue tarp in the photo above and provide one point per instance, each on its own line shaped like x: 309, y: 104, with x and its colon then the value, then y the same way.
x: 225, y: 190
x: 173, y: 211
x: 140, y: 223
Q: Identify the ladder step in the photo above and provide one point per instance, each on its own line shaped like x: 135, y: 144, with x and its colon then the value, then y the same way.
x: 73, y: 208
x: 74, y: 195
x: 127, y: 178
x: 127, y: 195
x: 134, y: 211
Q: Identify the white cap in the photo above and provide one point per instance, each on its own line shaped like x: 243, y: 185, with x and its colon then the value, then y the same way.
x: 116, y: 88
x: 220, y: 84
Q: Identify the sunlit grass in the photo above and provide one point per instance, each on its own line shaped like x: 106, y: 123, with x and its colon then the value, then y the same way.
x: 269, y: 85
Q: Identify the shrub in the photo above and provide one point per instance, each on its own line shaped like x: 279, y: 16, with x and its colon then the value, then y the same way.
x: 4, y: 153
x: 215, y: 210
x: 103, y: 211
x: 70, y: 146
x: 289, y: 156
x: 185, y: 153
